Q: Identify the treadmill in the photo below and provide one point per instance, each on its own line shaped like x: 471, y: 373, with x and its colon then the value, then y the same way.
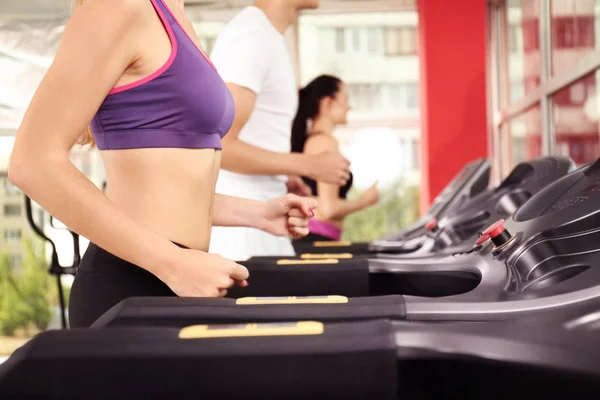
x: 470, y: 181
x: 542, y: 260
x: 529, y: 327
x: 460, y: 226
x: 368, y: 359
x: 54, y: 267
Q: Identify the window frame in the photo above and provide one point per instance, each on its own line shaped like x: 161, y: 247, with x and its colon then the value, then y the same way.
x: 502, y: 109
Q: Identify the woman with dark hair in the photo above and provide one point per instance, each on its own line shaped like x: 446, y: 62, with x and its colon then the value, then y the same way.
x: 323, y: 104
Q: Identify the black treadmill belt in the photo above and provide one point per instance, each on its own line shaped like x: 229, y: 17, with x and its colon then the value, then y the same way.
x: 180, y: 312
x: 350, y: 361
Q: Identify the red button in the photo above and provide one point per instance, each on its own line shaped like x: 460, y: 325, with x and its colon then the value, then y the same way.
x: 431, y: 224
x: 494, y: 230
x: 482, y: 239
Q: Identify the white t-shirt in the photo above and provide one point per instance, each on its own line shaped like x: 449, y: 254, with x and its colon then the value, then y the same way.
x: 251, y: 53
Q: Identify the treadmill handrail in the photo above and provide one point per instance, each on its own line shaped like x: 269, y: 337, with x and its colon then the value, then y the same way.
x: 29, y: 212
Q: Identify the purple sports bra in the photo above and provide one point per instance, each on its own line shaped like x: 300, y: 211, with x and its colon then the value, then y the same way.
x: 185, y: 104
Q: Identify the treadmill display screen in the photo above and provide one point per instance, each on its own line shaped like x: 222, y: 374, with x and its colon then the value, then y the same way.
x: 459, y: 180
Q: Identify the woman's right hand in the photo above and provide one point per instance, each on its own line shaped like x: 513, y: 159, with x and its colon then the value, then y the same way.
x: 371, y: 195
x: 194, y: 273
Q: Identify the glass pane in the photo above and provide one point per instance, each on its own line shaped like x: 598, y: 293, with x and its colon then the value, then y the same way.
x: 575, y: 115
x: 523, y: 138
x: 523, y: 47
x: 375, y: 55
x: 575, y: 26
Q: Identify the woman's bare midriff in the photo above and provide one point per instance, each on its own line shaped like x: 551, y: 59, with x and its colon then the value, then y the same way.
x: 168, y: 190
x: 338, y: 223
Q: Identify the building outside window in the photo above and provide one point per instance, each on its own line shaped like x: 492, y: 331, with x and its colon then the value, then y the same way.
x: 401, y: 41
x: 12, y: 210
x: 412, y: 95
x: 356, y: 39
x: 374, y: 40
x: 9, y: 188
x: 12, y: 235
x: 340, y: 40
x: 15, y: 260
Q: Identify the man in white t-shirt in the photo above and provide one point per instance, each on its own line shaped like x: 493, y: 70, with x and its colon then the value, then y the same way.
x: 251, y: 56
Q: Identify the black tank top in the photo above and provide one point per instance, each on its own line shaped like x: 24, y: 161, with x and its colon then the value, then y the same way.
x: 343, y: 189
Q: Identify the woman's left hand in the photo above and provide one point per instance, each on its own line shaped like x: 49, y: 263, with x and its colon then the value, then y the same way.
x: 287, y: 215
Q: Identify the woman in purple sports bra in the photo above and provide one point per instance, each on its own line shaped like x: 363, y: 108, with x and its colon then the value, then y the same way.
x: 134, y: 72
x: 324, y: 103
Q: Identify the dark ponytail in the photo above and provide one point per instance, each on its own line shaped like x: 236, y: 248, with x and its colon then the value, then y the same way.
x: 309, y: 100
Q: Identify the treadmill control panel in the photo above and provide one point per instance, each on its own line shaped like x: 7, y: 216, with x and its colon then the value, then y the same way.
x: 581, y: 192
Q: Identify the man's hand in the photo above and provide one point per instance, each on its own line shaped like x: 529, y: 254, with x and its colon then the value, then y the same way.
x: 330, y: 167
x: 295, y: 185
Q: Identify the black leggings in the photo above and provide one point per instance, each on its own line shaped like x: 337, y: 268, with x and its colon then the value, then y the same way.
x: 103, y: 280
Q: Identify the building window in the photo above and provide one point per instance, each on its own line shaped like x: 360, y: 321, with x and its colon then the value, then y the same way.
x: 208, y: 42
x: 12, y: 235
x: 531, y: 34
x: 412, y: 96
x: 395, y: 97
x: 374, y: 38
x: 10, y: 189
x: 577, y: 93
x: 517, y: 91
x: 400, y: 41
x: 15, y: 260
x: 402, y: 97
x: 365, y: 96
x: 12, y: 210
x: 356, y: 39
x: 515, y: 38
x: 340, y: 40
x: 573, y: 32
x: 416, y: 154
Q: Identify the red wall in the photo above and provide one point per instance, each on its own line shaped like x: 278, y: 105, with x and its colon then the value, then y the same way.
x: 452, y: 46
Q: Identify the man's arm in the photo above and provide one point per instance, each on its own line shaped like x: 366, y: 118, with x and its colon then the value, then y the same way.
x: 244, y: 158
x: 242, y: 57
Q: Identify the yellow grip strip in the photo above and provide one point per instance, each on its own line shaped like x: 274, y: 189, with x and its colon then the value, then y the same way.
x: 307, y: 262
x: 331, y: 244
x: 252, y: 330
x: 292, y: 300
x: 339, y: 256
